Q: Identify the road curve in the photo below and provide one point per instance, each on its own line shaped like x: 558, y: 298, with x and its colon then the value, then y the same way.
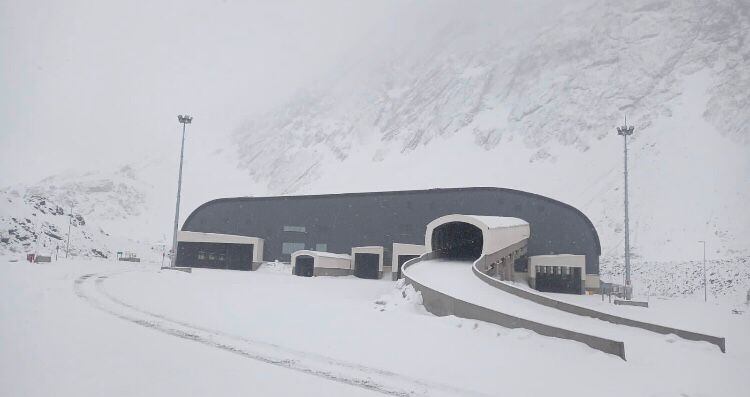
x: 90, y: 288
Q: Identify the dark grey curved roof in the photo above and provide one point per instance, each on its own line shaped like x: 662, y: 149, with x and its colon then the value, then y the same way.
x: 342, y: 221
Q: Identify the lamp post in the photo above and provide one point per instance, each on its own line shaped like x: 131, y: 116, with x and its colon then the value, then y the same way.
x: 626, y: 131
x: 70, y: 222
x: 705, y: 275
x: 184, y: 120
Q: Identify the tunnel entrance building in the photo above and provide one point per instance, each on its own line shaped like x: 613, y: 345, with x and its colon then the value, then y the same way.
x: 284, y: 225
x: 458, y: 240
x: 497, y: 242
x: 307, y: 263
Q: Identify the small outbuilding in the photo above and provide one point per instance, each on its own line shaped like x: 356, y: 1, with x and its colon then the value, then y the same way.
x: 308, y: 263
x: 368, y: 262
x: 219, y: 251
x: 401, y: 254
x: 558, y: 273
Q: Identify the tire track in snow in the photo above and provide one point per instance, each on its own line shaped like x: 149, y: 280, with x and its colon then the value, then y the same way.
x: 373, y: 379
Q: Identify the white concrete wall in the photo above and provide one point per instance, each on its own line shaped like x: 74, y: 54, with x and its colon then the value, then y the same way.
x: 370, y: 250
x: 325, y: 259
x: 502, y: 237
x: 592, y: 282
x: 333, y: 263
x: 200, y: 237
x: 405, y: 249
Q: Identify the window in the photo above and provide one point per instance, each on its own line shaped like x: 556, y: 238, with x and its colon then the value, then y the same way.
x: 211, y: 256
x: 201, y: 255
x: 321, y: 247
x: 221, y: 257
x: 290, y: 248
x: 300, y: 229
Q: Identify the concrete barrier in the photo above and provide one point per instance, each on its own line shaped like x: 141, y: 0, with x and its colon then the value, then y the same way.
x: 720, y: 342
x: 179, y: 269
x: 619, y: 302
x: 441, y: 304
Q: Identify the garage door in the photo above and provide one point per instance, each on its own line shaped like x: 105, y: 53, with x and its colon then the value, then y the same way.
x: 402, y: 259
x: 366, y: 265
x: 304, y: 266
x: 558, y: 279
x: 240, y: 256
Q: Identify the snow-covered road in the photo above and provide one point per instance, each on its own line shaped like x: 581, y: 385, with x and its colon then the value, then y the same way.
x: 135, y: 330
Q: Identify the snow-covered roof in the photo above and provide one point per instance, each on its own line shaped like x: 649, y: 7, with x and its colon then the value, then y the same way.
x: 482, y: 221
x: 202, y: 237
x: 499, y: 221
x: 498, y: 232
x: 322, y: 253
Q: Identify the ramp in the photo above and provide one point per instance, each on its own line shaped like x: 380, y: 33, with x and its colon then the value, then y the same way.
x: 450, y: 288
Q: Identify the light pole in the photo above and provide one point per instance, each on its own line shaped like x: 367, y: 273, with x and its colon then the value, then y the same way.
x: 70, y: 221
x: 705, y: 275
x: 626, y: 131
x: 184, y: 120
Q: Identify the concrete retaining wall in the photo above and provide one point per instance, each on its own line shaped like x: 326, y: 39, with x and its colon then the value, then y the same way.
x: 331, y: 271
x: 583, y: 311
x: 442, y: 304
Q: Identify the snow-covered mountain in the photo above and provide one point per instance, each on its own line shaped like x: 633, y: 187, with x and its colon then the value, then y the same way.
x: 112, y: 210
x: 517, y: 94
x: 527, y: 95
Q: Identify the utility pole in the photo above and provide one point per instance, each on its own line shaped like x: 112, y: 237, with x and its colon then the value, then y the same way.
x: 184, y: 120
x: 70, y: 222
x: 626, y: 131
x: 705, y: 275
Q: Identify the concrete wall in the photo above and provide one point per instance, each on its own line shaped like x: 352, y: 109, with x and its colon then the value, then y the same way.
x: 442, y: 304
x: 583, y: 311
x: 508, y: 254
x: 323, y: 271
x: 325, y: 263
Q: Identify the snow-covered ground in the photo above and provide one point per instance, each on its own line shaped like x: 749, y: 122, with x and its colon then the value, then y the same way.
x: 132, y: 329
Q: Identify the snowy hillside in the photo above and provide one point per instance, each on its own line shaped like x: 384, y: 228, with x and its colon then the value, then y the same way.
x: 112, y: 211
x: 528, y: 97
x: 728, y: 279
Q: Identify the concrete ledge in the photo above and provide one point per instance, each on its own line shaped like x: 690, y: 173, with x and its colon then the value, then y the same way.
x: 180, y: 269
x: 630, y: 303
x: 441, y: 304
x: 331, y: 271
x: 720, y: 342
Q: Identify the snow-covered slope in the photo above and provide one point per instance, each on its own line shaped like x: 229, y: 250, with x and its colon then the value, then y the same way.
x: 528, y: 96
x: 112, y: 210
x: 517, y: 94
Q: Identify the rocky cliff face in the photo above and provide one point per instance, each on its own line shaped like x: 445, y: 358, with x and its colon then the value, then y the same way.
x: 563, y: 81
x: 107, y: 212
x: 537, y: 87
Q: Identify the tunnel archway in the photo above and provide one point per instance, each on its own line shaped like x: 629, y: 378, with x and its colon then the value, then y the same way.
x: 458, y: 240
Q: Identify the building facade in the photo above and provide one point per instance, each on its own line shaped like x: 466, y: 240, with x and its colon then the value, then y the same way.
x: 338, y: 222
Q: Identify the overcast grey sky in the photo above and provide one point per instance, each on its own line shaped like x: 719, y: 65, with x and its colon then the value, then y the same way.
x: 96, y: 83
